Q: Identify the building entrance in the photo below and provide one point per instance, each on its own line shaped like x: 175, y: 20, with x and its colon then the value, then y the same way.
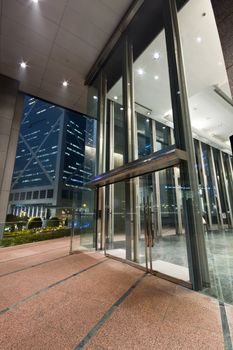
x: 132, y: 232
x: 140, y: 226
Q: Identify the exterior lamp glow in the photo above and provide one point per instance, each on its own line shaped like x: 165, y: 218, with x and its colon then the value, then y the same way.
x: 65, y: 83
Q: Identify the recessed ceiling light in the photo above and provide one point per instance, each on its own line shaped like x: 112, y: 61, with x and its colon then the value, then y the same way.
x: 148, y: 113
x: 164, y: 127
x: 23, y: 64
x: 95, y: 97
x: 156, y: 77
x: 121, y: 108
x: 156, y: 55
x: 35, y: 1
x: 115, y: 98
x: 65, y: 83
x: 199, y: 39
x: 148, y: 120
x: 140, y: 71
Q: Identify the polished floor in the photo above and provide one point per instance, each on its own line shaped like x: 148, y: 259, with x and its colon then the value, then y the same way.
x: 169, y: 256
x: 53, y: 300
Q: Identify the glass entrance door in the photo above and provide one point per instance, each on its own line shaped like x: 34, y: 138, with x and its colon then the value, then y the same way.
x: 143, y: 226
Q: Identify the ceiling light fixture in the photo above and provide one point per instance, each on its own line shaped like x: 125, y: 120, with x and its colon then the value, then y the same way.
x: 140, y: 71
x: 148, y: 120
x: 35, y: 1
x: 156, y: 55
x: 65, y: 83
x: 115, y: 98
x: 199, y: 39
x: 156, y: 77
x: 148, y: 113
x: 23, y: 64
x: 121, y: 108
x: 95, y: 97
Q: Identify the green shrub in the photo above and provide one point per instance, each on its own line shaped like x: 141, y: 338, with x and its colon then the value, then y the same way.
x: 34, y: 222
x: 53, y: 222
x: 34, y: 236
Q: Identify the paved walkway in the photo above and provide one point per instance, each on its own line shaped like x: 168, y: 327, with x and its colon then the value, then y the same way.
x: 52, y: 300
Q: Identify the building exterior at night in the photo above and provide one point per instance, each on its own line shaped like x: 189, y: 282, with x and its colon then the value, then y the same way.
x: 160, y: 89
x: 52, y: 159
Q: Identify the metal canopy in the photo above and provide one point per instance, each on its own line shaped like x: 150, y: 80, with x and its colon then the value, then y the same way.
x: 156, y: 161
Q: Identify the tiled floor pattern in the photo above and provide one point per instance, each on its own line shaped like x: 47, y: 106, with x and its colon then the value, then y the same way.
x: 71, y: 298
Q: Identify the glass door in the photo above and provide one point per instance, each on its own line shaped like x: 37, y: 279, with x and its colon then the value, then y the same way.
x: 165, y: 247
x: 145, y: 232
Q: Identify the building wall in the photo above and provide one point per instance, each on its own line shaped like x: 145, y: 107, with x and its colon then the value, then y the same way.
x: 11, y: 106
x: 223, y: 11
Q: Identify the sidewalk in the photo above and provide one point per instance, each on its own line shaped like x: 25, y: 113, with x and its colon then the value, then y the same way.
x: 52, y: 300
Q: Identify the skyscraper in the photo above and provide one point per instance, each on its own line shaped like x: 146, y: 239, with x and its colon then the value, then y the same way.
x: 55, y: 156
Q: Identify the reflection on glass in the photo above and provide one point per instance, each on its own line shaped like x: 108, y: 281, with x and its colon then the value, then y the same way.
x: 115, y: 234
x: 144, y: 135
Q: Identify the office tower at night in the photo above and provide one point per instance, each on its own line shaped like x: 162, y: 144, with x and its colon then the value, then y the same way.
x: 55, y: 156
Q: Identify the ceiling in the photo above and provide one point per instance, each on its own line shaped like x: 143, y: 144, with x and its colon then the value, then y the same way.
x: 211, y: 115
x: 59, y: 40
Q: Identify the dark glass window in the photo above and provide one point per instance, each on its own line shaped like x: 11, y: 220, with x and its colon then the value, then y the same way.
x: 50, y: 194
x: 22, y: 196
x: 65, y: 194
x: 35, y: 194
x: 11, y: 197
x: 144, y: 135
x: 42, y: 194
x: 29, y: 195
x: 16, y: 196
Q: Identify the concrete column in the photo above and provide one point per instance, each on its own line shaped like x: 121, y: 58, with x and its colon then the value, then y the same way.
x: 11, y: 108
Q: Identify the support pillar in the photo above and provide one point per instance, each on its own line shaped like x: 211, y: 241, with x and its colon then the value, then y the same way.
x: 156, y: 189
x: 131, y: 153
x: 101, y: 159
x: 11, y: 108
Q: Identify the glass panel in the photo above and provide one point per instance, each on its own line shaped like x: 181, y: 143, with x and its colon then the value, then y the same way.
x: 119, y: 136
x: 144, y: 135
x: 211, y: 117
x: 116, y: 220
x: 165, y: 253
x: 151, y: 82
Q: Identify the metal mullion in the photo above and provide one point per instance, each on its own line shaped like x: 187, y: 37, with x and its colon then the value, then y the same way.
x: 226, y: 193
x: 214, y: 179
x: 101, y: 157
x: 177, y: 191
x: 156, y: 188
x: 205, y: 184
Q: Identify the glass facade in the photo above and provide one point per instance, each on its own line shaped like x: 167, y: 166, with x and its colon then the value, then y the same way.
x: 171, y: 92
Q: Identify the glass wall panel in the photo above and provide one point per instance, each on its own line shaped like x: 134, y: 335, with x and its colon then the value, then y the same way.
x: 211, y: 117
x: 211, y: 186
x: 144, y: 133
x: 115, y: 221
